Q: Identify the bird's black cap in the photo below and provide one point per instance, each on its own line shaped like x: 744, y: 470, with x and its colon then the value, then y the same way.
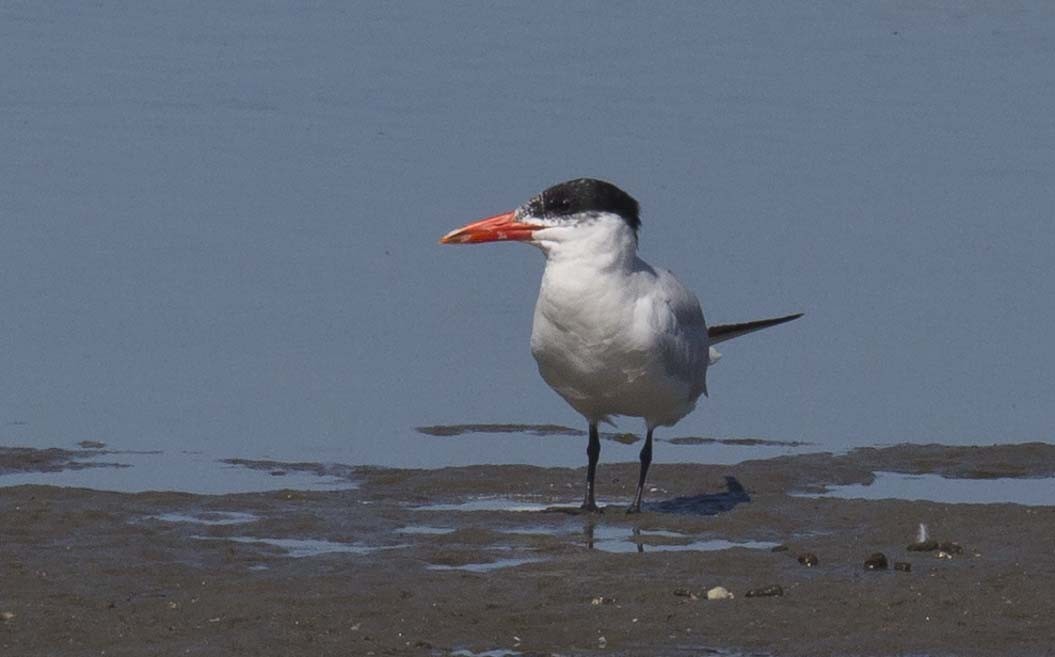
x: 585, y: 195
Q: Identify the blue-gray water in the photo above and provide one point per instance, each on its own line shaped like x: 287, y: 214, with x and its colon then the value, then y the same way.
x: 219, y: 220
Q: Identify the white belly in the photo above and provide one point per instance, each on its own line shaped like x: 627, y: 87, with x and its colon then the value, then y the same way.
x: 621, y: 354
x: 598, y: 389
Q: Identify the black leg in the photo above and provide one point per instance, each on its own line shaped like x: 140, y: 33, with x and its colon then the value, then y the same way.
x: 593, y: 452
x: 646, y: 460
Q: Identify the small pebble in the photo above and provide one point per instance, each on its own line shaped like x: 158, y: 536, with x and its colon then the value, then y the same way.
x: 719, y: 593
x: 876, y: 562
x: 942, y: 554
x: 686, y: 593
x: 7, y: 615
x: 930, y: 546
x: 903, y: 566
x: 766, y: 592
x: 601, y: 600
x: 808, y: 559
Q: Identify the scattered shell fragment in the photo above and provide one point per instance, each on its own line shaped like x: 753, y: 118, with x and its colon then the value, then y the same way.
x: 719, y: 593
x: 7, y: 615
x: 942, y: 554
x: 766, y: 591
x: 686, y: 593
x: 601, y: 600
x: 876, y: 562
x: 808, y: 559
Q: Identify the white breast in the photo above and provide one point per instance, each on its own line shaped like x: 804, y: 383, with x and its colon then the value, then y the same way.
x: 620, y: 341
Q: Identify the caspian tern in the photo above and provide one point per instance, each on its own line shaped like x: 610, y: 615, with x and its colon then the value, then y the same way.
x: 612, y: 335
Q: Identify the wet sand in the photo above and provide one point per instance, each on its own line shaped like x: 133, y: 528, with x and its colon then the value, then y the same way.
x: 430, y: 562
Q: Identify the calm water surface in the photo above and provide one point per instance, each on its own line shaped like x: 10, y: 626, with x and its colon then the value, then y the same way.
x: 220, y: 219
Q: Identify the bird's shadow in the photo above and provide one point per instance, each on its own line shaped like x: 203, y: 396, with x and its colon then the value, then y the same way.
x: 707, y: 504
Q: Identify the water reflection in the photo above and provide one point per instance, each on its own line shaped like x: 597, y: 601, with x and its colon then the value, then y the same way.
x: 622, y: 539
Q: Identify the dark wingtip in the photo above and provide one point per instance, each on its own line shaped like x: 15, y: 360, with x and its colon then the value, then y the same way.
x: 729, y: 331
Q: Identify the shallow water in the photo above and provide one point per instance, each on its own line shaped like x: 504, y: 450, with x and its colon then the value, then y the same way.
x: 209, y: 518
x: 486, y: 566
x: 496, y: 504
x: 300, y: 547
x: 626, y: 539
x: 220, y: 221
x: 935, y: 488
x: 424, y: 529
x: 176, y: 471
x: 705, y: 545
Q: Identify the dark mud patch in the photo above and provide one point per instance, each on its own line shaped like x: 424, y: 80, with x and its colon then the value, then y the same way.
x: 529, y: 429
x: 282, y: 468
x: 742, y: 442
x: 366, y: 570
x: 625, y: 438
x: 971, y: 462
x: 540, y: 430
x: 27, y: 459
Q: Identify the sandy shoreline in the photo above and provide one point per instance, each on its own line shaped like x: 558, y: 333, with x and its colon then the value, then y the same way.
x: 84, y: 572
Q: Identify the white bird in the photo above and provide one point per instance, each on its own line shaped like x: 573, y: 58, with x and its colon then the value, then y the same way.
x: 612, y: 335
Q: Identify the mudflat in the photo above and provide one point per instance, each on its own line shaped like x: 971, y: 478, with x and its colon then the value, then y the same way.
x: 497, y: 558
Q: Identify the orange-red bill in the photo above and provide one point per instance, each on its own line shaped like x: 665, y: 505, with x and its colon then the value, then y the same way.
x: 493, y: 229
